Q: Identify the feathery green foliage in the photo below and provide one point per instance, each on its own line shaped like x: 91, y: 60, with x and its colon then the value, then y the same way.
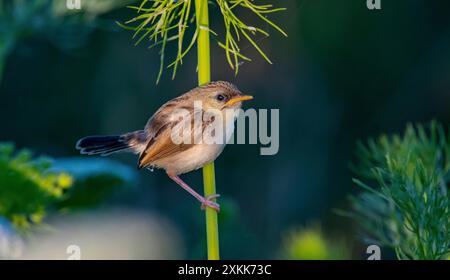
x: 406, y: 206
x: 163, y: 21
x: 27, y: 188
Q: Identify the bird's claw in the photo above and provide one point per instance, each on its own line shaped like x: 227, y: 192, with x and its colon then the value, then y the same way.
x: 207, y: 202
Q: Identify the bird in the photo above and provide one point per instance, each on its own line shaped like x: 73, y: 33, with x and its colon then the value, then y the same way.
x: 155, y: 143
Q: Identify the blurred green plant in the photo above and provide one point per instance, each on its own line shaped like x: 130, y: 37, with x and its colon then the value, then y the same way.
x: 27, y: 189
x: 163, y: 21
x: 49, y: 19
x: 311, y: 244
x: 95, y: 179
x: 30, y: 187
x: 406, y: 207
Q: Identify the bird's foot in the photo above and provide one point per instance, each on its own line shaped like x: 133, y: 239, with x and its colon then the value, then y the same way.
x: 207, y: 202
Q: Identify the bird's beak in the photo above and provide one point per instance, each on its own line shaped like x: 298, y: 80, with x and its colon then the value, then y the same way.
x: 238, y: 99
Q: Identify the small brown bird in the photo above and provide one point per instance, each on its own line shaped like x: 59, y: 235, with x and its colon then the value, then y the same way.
x: 155, y: 143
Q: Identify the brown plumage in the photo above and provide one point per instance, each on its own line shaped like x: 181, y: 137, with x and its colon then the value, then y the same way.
x: 155, y: 145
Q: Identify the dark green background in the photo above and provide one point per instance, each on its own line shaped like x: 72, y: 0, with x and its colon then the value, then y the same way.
x: 344, y: 73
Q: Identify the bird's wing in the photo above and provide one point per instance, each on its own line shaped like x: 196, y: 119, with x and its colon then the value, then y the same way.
x: 160, y: 127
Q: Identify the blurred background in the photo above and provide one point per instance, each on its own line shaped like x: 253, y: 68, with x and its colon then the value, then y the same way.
x: 344, y: 74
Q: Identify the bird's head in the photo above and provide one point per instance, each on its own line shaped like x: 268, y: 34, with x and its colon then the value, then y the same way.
x: 221, y: 95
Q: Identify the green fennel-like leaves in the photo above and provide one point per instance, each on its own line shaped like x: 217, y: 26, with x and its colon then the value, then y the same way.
x: 405, y: 203
x: 163, y: 21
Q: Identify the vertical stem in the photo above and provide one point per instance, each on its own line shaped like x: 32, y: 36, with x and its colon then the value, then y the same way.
x: 204, y: 76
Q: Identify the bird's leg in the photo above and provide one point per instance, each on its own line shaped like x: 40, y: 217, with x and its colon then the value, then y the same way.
x: 204, y: 201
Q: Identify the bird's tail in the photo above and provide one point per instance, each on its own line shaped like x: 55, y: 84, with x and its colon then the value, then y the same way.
x: 106, y: 145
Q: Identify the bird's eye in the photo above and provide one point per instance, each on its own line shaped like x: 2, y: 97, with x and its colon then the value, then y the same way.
x: 220, y: 97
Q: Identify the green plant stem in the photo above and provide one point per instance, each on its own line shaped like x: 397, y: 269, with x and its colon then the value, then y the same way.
x: 204, y: 76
